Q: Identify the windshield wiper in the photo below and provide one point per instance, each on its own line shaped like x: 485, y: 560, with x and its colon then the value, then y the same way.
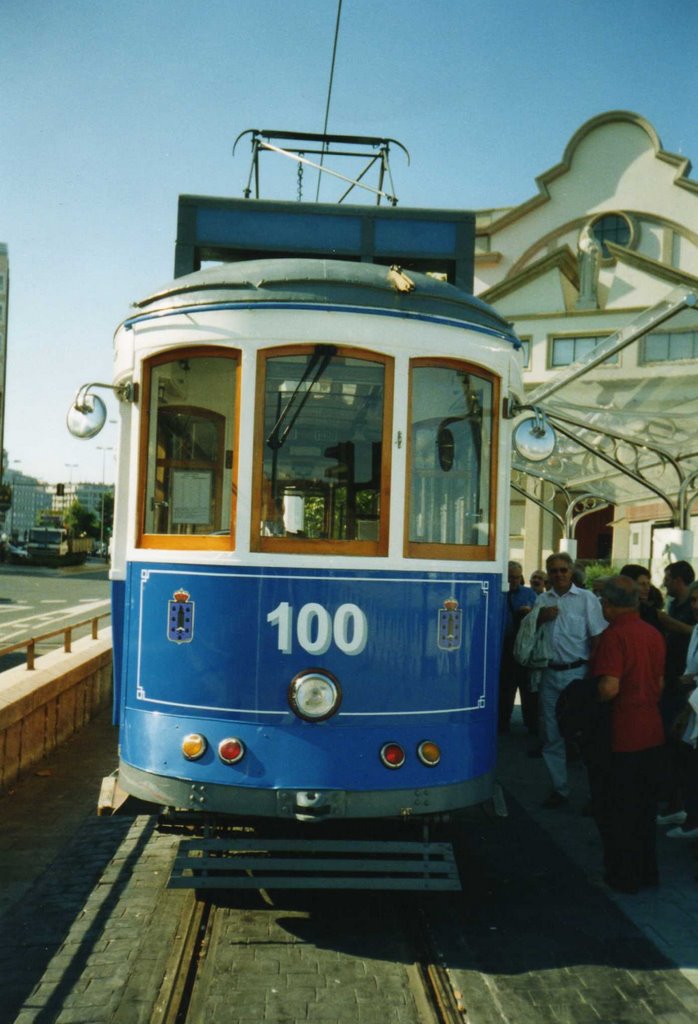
x: 316, y: 366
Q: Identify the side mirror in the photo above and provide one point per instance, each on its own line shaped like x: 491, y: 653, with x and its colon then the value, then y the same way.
x: 86, y: 416
x: 534, y: 439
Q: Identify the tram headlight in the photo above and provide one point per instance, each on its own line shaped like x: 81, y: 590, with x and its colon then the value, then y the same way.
x: 429, y: 753
x: 194, y: 746
x: 231, y: 750
x: 314, y: 695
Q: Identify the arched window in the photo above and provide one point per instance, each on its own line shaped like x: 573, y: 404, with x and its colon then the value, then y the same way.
x: 612, y: 227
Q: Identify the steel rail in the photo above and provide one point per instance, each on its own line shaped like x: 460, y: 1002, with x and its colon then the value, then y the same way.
x: 444, y: 1002
x: 183, y: 989
x: 174, y: 997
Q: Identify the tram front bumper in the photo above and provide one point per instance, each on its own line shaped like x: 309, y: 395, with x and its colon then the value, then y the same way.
x: 302, y: 804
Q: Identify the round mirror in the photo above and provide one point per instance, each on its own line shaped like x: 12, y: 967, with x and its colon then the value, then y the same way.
x: 534, y: 439
x: 86, y: 418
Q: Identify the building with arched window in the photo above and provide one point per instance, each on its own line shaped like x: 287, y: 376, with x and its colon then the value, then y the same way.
x: 611, y: 230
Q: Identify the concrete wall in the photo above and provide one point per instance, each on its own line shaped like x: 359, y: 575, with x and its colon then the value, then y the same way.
x: 41, y: 709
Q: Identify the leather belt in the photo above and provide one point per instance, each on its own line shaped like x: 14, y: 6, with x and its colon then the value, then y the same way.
x: 561, y: 666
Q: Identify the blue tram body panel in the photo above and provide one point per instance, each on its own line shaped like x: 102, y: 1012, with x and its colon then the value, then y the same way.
x: 213, y: 650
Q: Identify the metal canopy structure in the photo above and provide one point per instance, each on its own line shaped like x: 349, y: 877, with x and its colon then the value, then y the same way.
x: 625, y: 440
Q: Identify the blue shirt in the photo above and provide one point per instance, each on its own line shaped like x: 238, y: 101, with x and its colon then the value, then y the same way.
x: 514, y: 600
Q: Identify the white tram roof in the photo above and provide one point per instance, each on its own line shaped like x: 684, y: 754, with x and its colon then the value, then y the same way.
x: 322, y: 282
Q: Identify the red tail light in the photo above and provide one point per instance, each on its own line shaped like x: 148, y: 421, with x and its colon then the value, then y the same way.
x: 392, y: 755
x: 231, y: 750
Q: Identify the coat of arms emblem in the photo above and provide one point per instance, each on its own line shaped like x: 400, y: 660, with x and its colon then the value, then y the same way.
x: 180, y: 618
x: 450, y: 625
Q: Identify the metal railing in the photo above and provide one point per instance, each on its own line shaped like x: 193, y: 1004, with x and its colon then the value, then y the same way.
x: 67, y: 632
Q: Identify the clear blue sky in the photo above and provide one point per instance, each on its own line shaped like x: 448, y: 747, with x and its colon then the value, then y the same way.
x: 109, y: 110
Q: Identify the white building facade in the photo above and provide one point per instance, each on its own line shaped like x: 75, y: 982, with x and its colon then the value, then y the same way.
x: 611, y: 231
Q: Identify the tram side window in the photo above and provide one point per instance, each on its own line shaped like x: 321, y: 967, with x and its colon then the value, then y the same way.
x: 189, y: 447
x: 451, y: 453
x: 321, y: 469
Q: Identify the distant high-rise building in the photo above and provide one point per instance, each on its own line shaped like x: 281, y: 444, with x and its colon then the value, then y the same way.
x: 4, y: 298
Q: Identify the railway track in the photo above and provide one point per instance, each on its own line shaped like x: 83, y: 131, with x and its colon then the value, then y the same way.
x: 201, y: 970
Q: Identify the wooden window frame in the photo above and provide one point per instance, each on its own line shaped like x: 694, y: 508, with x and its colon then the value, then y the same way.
x: 176, y: 541
x: 307, y: 545
x: 455, y: 552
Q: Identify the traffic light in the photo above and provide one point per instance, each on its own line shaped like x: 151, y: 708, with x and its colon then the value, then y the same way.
x: 60, y: 490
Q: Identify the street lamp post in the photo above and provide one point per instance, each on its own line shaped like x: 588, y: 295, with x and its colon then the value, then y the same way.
x: 103, y: 449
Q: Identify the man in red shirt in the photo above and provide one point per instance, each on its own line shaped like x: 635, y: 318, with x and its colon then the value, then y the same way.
x: 629, y: 667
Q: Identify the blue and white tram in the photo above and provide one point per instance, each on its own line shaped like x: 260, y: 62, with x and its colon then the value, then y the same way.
x: 310, y: 530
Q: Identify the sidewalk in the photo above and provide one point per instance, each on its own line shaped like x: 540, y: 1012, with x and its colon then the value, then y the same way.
x: 667, y: 916
x: 45, y: 809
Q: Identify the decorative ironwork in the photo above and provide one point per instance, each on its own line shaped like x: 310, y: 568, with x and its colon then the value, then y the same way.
x: 622, y: 453
x: 580, y: 507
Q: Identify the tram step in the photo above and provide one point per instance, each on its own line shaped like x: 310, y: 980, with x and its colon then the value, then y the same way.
x: 313, y: 864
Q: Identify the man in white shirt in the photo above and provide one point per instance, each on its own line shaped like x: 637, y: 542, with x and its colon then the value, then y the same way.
x: 575, y: 621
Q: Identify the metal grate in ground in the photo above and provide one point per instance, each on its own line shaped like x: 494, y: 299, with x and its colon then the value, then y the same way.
x: 246, y: 863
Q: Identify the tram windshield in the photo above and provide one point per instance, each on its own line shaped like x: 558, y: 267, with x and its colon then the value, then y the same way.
x: 189, y: 442
x: 451, y: 462
x: 322, y: 452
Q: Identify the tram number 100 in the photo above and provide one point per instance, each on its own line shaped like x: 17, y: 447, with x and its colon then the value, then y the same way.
x: 316, y: 628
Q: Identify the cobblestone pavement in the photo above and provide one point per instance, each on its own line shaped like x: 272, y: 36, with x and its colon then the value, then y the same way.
x: 534, y: 938
x: 326, y: 958
x: 667, y: 916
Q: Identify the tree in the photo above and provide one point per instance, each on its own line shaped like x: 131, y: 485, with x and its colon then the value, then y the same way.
x: 80, y: 522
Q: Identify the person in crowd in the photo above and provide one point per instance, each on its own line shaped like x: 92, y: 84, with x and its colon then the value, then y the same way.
x: 518, y: 601
x: 649, y: 611
x: 686, y: 820
x: 677, y: 625
x: 538, y: 581
x: 629, y: 667
x: 575, y: 621
x: 654, y: 598
x: 677, y: 622
x: 579, y: 576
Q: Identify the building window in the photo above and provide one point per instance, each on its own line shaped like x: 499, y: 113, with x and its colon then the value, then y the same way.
x: 568, y: 349
x: 526, y: 352
x: 669, y: 346
x: 612, y: 227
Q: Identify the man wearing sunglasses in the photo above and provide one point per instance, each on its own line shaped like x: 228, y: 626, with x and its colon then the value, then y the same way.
x: 575, y: 621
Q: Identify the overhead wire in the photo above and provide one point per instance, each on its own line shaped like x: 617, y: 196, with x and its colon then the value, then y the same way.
x: 329, y: 95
